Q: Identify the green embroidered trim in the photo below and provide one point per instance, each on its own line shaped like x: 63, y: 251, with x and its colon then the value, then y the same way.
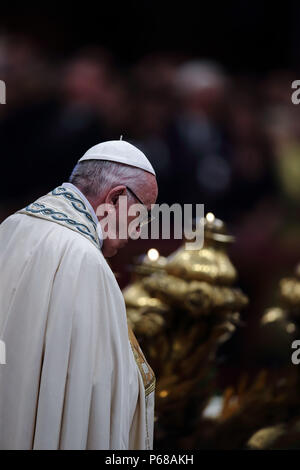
x: 36, y: 208
x: 76, y: 203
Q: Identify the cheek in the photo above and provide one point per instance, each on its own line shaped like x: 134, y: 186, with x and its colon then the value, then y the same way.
x: 130, y: 218
x: 122, y: 226
x: 127, y: 225
x: 135, y: 227
x: 110, y: 248
x: 125, y: 221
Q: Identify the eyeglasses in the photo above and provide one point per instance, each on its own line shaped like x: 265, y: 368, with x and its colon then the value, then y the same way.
x: 149, y: 217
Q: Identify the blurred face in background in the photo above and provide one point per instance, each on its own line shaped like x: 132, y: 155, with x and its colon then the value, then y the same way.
x: 85, y: 82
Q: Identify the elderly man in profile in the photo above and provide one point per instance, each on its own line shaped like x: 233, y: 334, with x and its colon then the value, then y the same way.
x: 75, y: 377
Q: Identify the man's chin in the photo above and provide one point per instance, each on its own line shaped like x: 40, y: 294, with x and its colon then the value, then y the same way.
x: 109, y: 252
x: 112, y: 250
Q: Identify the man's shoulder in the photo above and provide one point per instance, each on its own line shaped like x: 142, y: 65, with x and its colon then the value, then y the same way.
x: 47, y: 236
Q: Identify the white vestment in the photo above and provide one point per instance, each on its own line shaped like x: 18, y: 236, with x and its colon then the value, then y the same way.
x: 74, y: 378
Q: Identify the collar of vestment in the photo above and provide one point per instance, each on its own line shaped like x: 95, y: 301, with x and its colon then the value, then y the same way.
x: 89, y: 208
x: 68, y: 207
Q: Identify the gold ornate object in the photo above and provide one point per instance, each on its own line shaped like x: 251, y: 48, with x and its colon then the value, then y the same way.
x: 211, y: 263
x: 290, y: 292
x: 136, y: 297
x: 263, y: 413
x: 199, y: 298
x: 145, y: 314
x: 150, y: 263
x: 266, y: 437
x: 181, y: 308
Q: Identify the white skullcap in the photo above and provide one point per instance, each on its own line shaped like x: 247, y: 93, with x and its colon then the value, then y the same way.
x: 119, y: 151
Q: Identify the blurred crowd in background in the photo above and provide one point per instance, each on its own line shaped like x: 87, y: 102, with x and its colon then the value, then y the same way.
x: 229, y: 141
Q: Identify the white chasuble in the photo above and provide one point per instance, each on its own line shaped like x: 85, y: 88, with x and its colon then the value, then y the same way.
x: 75, y: 377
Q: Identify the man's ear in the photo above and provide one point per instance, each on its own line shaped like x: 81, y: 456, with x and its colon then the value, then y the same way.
x: 114, y: 194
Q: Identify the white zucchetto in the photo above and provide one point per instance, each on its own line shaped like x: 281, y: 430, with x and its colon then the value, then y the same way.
x: 119, y: 151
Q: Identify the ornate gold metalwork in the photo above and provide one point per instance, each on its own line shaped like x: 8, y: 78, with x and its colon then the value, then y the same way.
x: 181, y: 308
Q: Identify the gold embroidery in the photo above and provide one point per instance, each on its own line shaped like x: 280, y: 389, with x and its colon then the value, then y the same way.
x: 145, y: 370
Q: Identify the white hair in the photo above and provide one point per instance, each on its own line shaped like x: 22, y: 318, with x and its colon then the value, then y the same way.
x: 94, y: 177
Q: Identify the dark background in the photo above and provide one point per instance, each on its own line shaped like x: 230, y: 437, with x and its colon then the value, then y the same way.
x: 246, y: 36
